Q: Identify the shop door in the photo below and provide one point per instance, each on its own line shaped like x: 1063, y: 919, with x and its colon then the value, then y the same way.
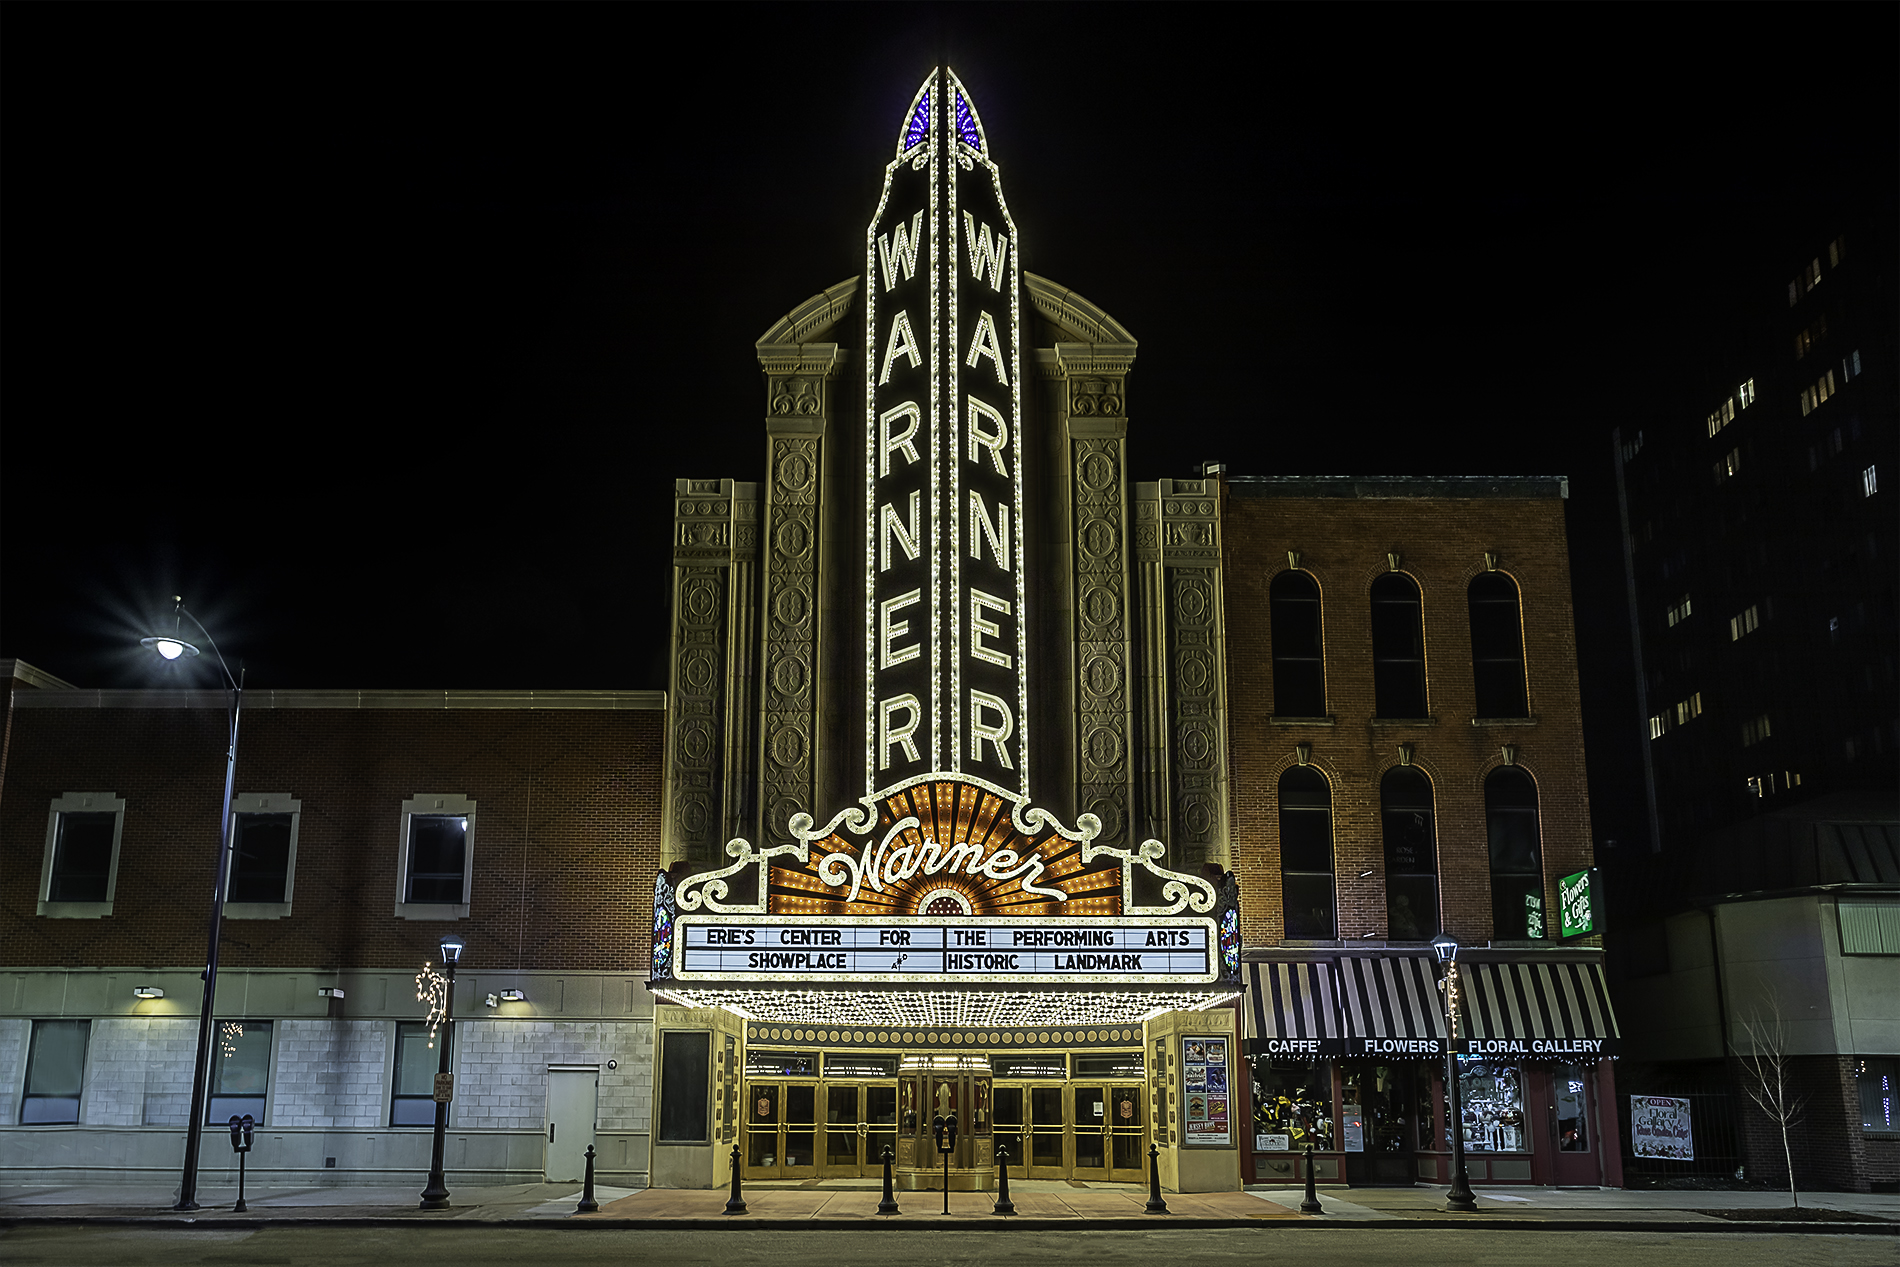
x: 1111, y: 1136
x: 1378, y: 1120
x: 860, y: 1120
x: 781, y: 1130
x: 572, y: 1094
x: 1573, y: 1128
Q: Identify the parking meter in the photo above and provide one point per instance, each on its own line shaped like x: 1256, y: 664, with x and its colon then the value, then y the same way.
x: 243, y: 1133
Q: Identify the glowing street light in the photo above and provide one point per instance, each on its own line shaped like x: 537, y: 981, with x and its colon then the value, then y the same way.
x: 1460, y: 1197
x: 172, y: 647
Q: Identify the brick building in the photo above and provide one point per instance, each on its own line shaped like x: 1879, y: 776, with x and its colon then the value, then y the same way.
x: 560, y: 791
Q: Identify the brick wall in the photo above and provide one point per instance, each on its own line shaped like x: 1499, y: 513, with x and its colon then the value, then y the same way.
x: 1830, y: 1152
x: 566, y: 842
x: 1343, y: 543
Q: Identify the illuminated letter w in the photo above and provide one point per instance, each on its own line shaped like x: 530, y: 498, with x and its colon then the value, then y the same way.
x: 986, y: 252
x: 904, y: 251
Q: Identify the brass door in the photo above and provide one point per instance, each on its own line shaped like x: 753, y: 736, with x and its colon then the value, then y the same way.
x: 1091, y: 1129
x: 781, y: 1130
x: 1127, y: 1134
x: 1048, y: 1131
x: 860, y: 1119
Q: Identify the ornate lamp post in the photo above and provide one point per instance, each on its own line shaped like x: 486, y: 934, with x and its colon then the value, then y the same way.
x: 436, y: 1195
x: 1460, y: 1197
x: 171, y: 647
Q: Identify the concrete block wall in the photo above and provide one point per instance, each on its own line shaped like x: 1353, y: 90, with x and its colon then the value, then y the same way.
x: 330, y: 1073
x: 14, y: 1036
x: 138, y: 1071
x: 503, y: 1064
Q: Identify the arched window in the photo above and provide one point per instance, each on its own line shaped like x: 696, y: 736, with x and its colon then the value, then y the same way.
x: 1411, y: 855
x: 1306, y: 854
x: 1497, y: 647
x: 1398, y: 647
x: 1517, y: 867
x: 1299, y: 666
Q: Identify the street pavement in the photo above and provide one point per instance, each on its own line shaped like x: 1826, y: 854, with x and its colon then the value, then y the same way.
x: 1039, y: 1204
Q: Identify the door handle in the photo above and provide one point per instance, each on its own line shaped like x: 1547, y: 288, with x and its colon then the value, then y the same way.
x: 550, y: 1132
x: 864, y: 1128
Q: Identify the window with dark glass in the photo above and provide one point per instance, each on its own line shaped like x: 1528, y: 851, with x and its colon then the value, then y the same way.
x: 55, y: 1068
x: 240, y: 1071
x: 438, y: 852
x: 260, y: 858
x: 1398, y: 647
x: 1497, y: 647
x: 418, y: 1060
x: 1411, y: 855
x: 1306, y: 854
x: 82, y: 857
x: 1299, y: 666
x: 1517, y: 868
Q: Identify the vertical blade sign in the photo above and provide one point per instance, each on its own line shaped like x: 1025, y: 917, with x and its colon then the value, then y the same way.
x: 944, y: 620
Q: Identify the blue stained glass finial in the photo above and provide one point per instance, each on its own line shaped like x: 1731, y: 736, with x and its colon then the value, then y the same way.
x: 966, y: 124
x: 919, y: 123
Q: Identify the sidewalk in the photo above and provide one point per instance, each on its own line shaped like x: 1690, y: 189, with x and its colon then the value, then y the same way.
x: 1039, y: 1203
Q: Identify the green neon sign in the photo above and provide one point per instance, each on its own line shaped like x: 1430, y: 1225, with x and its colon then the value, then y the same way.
x: 1577, y: 910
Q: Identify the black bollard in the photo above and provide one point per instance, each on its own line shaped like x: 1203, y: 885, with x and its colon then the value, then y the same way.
x: 1003, y: 1204
x: 889, y: 1204
x: 588, y: 1205
x: 1311, y: 1204
x: 1155, y: 1204
x: 736, y: 1204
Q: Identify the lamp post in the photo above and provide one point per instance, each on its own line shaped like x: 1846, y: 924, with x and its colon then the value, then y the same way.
x: 1460, y: 1197
x: 172, y: 647
x: 436, y: 1195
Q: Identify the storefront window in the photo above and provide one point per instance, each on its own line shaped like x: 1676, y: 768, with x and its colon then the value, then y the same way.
x: 1493, y: 1094
x: 1573, y: 1126
x: 1292, y: 1105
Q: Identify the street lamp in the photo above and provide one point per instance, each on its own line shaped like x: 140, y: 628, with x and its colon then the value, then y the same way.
x: 171, y: 647
x: 436, y: 1195
x: 1460, y: 1197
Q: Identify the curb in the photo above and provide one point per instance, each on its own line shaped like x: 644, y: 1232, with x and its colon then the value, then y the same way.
x: 995, y: 1224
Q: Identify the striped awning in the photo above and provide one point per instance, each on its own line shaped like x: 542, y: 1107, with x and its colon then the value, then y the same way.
x: 1392, y: 1006
x: 1292, y: 1009
x: 1553, y: 1010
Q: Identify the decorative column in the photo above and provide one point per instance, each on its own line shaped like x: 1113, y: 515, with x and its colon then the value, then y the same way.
x: 1190, y: 513
x: 1095, y: 418
x: 740, y: 757
x: 1151, y: 650
x: 703, y: 597
x: 801, y: 381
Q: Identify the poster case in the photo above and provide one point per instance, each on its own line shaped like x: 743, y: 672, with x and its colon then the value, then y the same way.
x: 1207, y: 1091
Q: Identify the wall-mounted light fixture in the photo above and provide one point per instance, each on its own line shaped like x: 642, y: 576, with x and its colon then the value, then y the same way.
x: 329, y: 992
x: 513, y: 996
x: 148, y: 992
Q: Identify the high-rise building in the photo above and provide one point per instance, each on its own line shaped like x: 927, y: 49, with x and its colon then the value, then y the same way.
x: 1763, y: 925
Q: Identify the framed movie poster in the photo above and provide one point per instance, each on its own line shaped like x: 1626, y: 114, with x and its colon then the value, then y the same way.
x: 1207, y: 1118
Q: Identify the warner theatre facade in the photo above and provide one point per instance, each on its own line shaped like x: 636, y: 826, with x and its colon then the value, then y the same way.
x: 985, y: 795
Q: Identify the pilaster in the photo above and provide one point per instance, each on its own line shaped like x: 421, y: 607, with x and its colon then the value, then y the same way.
x: 1190, y: 545
x: 703, y: 597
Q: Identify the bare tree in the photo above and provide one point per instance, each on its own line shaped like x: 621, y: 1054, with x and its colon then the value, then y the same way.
x: 1767, y: 1080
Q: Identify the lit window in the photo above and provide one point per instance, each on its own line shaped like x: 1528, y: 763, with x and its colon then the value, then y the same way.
x: 1746, y: 393
x: 1801, y: 344
x: 79, y: 871
x: 437, y: 858
x: 418, y: 1059
x: 1689, y: 708
x: 240, y: 1071
x: 1869, y: 482
x: 1658, y: 725
x: 1727, y: 465
x: 1743, y: 622
x: 1794, y: 292
x: 1306, y: 854
x: 1813, y: 277
x: 1879, y: 1083
x: 55, y: 1068
x: 1679, y: 613
x: 1836, y: 252
x: 1856, y: 360
x: 1753, y: 732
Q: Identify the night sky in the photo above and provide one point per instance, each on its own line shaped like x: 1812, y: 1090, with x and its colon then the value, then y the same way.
x: 380, y: 333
